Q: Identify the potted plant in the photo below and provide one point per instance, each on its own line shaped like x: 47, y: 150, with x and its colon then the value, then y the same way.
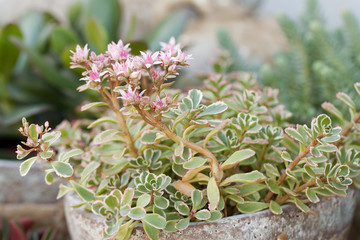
x: 163, y: 158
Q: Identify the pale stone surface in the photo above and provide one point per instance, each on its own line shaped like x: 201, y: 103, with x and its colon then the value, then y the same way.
x: 333, y: 222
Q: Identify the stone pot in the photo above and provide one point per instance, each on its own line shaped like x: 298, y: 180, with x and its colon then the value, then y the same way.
x: 30, y: 196
x: 333, y: 222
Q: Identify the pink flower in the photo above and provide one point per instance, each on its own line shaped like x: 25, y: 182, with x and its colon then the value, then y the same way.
x: 149, y: 58
x: 93, y: 75
x: 118, y: 52
x: 170, y: 46
x: 126, y: 69
x: 160, y: 105
x: 182, y: 58
x: 132, y: 96
x: 80, y: 55
x: 157, y: 74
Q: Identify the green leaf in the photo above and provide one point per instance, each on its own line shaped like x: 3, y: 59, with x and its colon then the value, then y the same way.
x: 96, y: 35
x: 92, y: 104
x: 161, y: 202
x: 62, y: 169
x: 63, y: 190
x: 151, y: 231
x: 202, y: 215
x: 196, y: 198
x: 148, y: 137
x: 46, y: 69
x: 46, y: 155
x: 182, y: 224
x: 102, y: 120
x: 137, y: 213
x: 311, y: 195
x: 143, y: 200
x: 111, y: 201
x: 213, y: 109
x: 8, y: 51
x: 70, y: 154
x: 213, y: 194
x: 214, y: 131
x: 62, y: 37
x: 215, y: 215
x: 170, y: 26
x: 49, y: 177
x: 108, y: 14
x: 90, y: 168
x: 250, y: 188
x: 195, y: 162
x: 301, y: 205
x: 154, y: 220
x: 327, y: 148
x: 128, y: 196
x: 250, y: 177
x: 26, y: 165
x: 196, y: 97
x: 237, y: 157
x: 295, y: 134
x: 32, y: 132
x: 84, y: 193
x: 275, y: 208
x: 347, y: 100
x: 249, y: 207
x: 273, y: 187
x: 333, y: 110
x: 271, y: 169
x: 183, y: 209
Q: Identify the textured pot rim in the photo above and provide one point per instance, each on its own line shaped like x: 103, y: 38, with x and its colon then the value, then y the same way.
x: 286, y: 208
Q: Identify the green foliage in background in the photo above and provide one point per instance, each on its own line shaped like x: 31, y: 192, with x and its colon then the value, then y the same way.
x: 35, y: 80
x: 318, y: 63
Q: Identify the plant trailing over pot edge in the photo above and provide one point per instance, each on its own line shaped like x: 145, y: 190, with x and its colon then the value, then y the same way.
x: 164, y: 158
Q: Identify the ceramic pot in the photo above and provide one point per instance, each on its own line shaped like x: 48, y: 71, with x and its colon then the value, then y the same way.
x: 333, y: 222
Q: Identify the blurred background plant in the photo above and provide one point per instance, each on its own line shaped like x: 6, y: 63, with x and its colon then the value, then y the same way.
x: 35, y: 79
x: 317, y: 64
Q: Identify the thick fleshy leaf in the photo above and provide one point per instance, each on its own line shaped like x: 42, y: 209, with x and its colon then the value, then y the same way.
x: 195, y: 162
x: 155, y: 220
x: 249, y: 207
x: 273, y: 187
x: 196, y: 97
x: 151, y: 231
x: 213, y: 109
x: 215, y: 215
x: 102, y: 120
x: 128, y: 196
x: 327, y: 148
x: 137, y: 213
x: 202, y: 215
x: 275, y: 208
x: 63, y: 190
x: 182, y: 224
x: 184, y: 187
x: 111, y: 201
x: 143, y: 200
x: 161, y: 202
x: 250, y: 177
x: 237, y: 157
x: 271, y: 169
x: 116, y: 169
x: 213, y: 194
x: 91, y: 105
x: 70, y: 154
x: 62, y: 169
x: 294, y: 134
x: 301, y: 205
x: 148, y: 138
x: 347, y: 100
x: 196, y: 198
x: 183, y: 209
x: 84, y: 193
x: 26, y: 165
x: 90, y: 168
x: 311, y: 195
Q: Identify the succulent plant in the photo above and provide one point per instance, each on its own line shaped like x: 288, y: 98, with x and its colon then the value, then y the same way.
x: 166, y: 158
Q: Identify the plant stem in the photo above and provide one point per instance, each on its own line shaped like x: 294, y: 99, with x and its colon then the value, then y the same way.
x: 115, y: 107
x: 292, y: 165
x: 262, y: 156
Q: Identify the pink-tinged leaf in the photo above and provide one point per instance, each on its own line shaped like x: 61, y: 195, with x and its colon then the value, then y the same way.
x: 250, y: 177
x: 311, y: 195
x: 217, y: 129
x: 193, y: 172
x: 346, y: 99
x: 332, y: 109
x: 275, y: 208
x: 213, y: 194
x: 236, y: 158
x: 184, y: 187
x: 91, y: 105
x: 357, y: 87
x: 294, y: 134
x: 272, y: 169
x: 249, y: 207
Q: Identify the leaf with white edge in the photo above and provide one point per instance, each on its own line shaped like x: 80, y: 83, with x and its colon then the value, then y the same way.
x: 275, y: 208
x: 91, y: 105
x: 124, y: 210
x: 215, y: 215
x: 294, y: 134
x: 143, y: 200
x: 237, y: 157
x: 249, y: 207
x: 155, y: 220
x: 84, y: 193
x: 250, y: 177
x: 195, y: 162
x: 54, y: 138
x: 46, y: 155
x: 213, y: 109
x: 111, y: 201
x: 26, y: 165
x: 182, y: 224
x: 196, y: 198
x: 333, y: 110
x: 32, y: 131
x: 311, y: 195
x: 196, y: 97
x: 183, y: 209
x: 128, y: 196
x: 90, y: 168
x: 302, y: 206
x: 271, y: 169
x: 62, y: 169
x: 202, y: 215
x: 116, y: 168
x: 236, y: 198
x: 137, y: 213
x: 70, y: 154
x: 49, y: 177
x: 151, y: 231
x: 148, y: 138
x: 327, y: 148
x: 286, y: 156
x: 357, y: 87
x: 309, y: 171
x: 184, y: 187
x: 102, y: 120
x: 273, y: 187
x: 63, y: 190
x: 161, y: 202
x: 214, y: 131
x: 347, y: 100
x: 213, y: 194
